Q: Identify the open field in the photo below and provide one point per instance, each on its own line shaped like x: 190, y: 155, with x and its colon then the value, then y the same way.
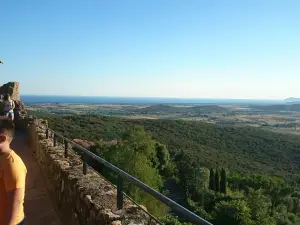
x: 271, y: 117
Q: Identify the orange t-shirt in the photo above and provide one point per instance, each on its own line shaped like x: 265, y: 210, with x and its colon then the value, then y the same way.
x: 12, y: 177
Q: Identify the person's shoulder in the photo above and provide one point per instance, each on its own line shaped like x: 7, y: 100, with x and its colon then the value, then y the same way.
x: 17, y: 160
x: 15, y: 156
x: 6, y: 158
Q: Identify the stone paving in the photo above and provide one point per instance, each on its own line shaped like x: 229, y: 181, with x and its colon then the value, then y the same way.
x: 39, y: 209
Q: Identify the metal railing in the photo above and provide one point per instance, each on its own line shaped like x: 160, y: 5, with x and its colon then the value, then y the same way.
x: 86, y: 154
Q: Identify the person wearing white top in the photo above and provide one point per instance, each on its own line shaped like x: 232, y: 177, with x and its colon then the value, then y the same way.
x: 9, y: 105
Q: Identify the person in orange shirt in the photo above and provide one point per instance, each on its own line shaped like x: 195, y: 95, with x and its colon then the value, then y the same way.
x: 12, y: 179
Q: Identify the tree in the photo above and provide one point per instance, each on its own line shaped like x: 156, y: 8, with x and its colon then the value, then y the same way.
x: 204, y: 176
x: 162, y: 155
x: 259, y: 204
x: 135, y: 156
x: 172, y: 220
x: 212, y: 185
x: 198, y: 209
x: 217, y: 181
x: 199, y: 183
x: 235, y: 212
x: 223, y: 182
x: 266, y: 221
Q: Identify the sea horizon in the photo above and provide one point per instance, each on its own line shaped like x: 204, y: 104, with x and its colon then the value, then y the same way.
x: 31, y: 99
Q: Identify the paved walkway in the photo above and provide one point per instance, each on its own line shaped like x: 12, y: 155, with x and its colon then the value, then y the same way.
x: 39, y: 209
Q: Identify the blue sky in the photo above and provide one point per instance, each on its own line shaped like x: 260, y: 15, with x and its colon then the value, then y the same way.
x: 154, y: 48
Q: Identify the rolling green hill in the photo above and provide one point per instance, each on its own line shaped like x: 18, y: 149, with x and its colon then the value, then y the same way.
x: 244, y: 149
x: 287, y: 107
x: 167, y: 109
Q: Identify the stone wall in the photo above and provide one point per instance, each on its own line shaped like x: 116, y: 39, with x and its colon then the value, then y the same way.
x: 11, y: 88
x: 80, y: 199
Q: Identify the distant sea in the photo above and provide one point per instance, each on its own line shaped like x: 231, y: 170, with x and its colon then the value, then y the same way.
x: 31, y: 99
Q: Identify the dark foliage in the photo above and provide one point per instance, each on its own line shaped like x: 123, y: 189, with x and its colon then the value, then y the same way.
x: 247, y: 197
x: 223, y: 182
x: 212, y: 184
x: 243, y: 149
x: 217, y: 181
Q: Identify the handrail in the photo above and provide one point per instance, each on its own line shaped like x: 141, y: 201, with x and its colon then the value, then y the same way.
x: 192, y: 217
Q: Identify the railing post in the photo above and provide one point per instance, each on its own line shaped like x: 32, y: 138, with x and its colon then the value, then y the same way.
x: 47, y: 133
x: 120, y: 187
x: 84, y: 166
x: 66, y: 148
x: 54, y: 140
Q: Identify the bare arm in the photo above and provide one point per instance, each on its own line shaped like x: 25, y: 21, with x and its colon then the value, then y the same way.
x: 14, y: 177
x: 13, y: 105
x: 15, y: 199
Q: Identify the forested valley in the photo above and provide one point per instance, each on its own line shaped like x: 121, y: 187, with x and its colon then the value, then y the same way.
x: 225, y: 174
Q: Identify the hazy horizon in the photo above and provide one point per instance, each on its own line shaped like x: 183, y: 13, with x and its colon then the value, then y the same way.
x: 195, y: 49
x: 44, y: 99
x: 149, y: 97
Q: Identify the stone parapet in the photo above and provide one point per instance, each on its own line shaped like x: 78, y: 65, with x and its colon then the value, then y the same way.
x: 79, y: 199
